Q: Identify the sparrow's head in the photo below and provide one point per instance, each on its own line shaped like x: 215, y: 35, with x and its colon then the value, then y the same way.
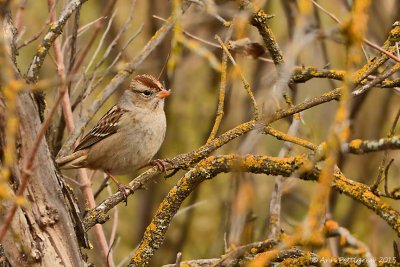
x: 146, y: 92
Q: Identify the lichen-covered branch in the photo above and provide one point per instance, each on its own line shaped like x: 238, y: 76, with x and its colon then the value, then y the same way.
x: 358, y: 146
x: 304, y: 74
x: 232, y: 258
x: 206, y: 169
x: 332, y: 228
x: 253, y: 249
x: 259, y: 20
x: 289, y: 138
x: 211, y: 166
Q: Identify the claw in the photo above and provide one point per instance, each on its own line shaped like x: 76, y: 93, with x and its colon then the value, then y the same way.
x: 161, y: 164
x: 121, y: 188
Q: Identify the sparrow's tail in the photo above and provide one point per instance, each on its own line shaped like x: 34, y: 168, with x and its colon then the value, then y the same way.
x: 73, y: 161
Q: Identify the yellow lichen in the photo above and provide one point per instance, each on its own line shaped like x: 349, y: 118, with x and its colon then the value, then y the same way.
x: 41, y: 49
x: 331, y: 225
x: 355, y: 144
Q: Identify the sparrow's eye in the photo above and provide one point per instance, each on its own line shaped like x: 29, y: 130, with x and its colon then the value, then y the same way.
x: 147, y: 93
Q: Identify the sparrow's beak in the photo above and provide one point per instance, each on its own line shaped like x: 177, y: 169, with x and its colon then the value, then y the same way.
x: 163, y: 93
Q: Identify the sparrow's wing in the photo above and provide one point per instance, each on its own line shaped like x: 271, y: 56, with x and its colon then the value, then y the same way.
x: 106, y: 126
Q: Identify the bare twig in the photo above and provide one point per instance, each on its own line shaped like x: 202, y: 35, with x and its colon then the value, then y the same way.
x: 244, y: 81
x: 19, y: 14
x: 197, y: 38
x: 369, y: 43
x: 88, y: 89
x: 85, y: 78
x: 33, y: 38
x: 381, y: 168
x: 98, y: 26
x: 276, y: 196
x: 221, y: 94
x: 54, y: 31
x: 221, y: 99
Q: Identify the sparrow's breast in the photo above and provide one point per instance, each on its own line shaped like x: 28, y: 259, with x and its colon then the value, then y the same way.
x: 141, y: 142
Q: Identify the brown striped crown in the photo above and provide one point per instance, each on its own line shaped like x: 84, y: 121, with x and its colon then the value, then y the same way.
x: 149, y: 81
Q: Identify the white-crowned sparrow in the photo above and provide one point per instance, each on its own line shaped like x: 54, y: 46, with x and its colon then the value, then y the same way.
x: 128, y: 135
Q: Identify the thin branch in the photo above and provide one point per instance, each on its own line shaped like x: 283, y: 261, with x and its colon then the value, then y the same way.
x: 54, y: 31
x: 32, y: 39
x: 98, y: 26
x: 276, y: 196
x: 88, y: 89
x: 289, y: 138
x: 244, y: 81
x: 259, y: 20
x: 369, y: 43
x: 221, y: 94
x: 381, y: 168
x: 358, y: 146
x: 379, y: 79
x: 208, y: 42
x: 221, y: 99
x: 84, y: 76
x: 20, y: 14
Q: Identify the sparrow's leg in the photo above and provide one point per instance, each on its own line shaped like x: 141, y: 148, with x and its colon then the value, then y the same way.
x: 122, y: 188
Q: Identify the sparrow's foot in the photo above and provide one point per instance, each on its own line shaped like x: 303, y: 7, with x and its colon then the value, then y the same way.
x: 125, y: 190
x: 161, y: 164
x: 121, y: 188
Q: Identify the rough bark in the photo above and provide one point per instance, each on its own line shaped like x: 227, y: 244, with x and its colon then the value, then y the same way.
x: 42, y: 232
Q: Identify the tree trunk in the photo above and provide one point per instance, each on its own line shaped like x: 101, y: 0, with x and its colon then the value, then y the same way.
x: 42, y: 232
